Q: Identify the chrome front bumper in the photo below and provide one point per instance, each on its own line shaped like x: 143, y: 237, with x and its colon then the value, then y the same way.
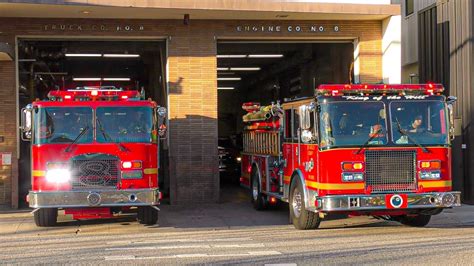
x: 94, y: 198
x: 378, y: 202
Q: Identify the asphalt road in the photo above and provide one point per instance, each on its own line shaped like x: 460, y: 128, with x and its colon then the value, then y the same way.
x: 233, y: 233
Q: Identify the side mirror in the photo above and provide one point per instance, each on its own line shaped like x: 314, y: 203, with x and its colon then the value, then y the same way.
x: 305, y: 117
x: 451, y: 121
x: 26, y: 122
x: 161, y: 112
x: 451, y: 100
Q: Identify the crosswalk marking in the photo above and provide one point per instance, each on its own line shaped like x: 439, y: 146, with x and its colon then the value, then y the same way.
x: 196, y: 255
x: 186, y: 240
x: 257, y: 245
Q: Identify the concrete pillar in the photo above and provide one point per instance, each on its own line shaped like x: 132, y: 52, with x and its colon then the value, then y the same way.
x: 391, y: 50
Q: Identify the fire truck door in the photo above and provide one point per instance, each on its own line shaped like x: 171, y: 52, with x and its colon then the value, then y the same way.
x: 296, y: 140
x: 288, y: 146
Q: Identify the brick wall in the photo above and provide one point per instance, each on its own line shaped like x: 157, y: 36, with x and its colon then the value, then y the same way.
x: 8, y: 127
x: 192, y: 83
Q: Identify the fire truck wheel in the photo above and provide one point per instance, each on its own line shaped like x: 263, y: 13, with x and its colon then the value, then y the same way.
x: 301, y: 218
x: 147, y: 215
x: 46, y: 217
x: 419, y: 220
x: 259, y: 200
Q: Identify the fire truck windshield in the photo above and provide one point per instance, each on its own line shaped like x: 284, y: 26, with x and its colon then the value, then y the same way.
x: 352, y: 124
x: 424, y: 122
x: 125, y: 124
x: 62, y: 125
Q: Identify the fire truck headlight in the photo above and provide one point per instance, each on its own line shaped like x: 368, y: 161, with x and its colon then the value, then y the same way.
x: 352, y: 177
x: 58, y: 175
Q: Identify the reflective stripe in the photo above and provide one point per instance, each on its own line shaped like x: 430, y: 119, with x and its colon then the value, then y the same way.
x: 38, y: 173
x: 150, y: 171
x: 434, y: 184
x: 334, y: 186
x: 330, y: 186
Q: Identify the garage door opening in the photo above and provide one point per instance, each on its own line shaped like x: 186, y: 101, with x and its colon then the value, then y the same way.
x: 268, y: 72
x: 45, y: 65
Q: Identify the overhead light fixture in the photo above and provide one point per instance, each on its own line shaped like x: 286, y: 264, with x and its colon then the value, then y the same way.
x: 122, y: 55
x: 231, y: 56
x: 249, y: 55
x: 86, y: 79
x: 265, y: 55
x: 116, y: 79
x: 83, y: 55
x: 234, y: 78
x: 225, y: 88
x: 227, y: 73
x: 85, y: 12
x: 101, y: 79
x: 244, y: 68
x: 222, y: 68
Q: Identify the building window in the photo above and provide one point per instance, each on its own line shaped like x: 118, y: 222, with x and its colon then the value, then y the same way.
x: 409, y: 7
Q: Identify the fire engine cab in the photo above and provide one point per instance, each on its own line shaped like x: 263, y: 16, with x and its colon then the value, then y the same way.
x: 94, y: 153
x: 379, y: 150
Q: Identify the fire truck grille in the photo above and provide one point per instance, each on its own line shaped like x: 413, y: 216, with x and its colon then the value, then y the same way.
x: 95, y: 174
x: 390, y: 171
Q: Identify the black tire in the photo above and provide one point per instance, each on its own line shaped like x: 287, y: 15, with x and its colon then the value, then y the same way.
x: 259, y: 201
x: 299, y: 216
x: 147, y: 215
x: 46, y: 217
x: 419, y: 220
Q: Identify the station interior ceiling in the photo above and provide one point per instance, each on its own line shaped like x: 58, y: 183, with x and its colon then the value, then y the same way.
x: 66, y: 64
x: 265, y: 72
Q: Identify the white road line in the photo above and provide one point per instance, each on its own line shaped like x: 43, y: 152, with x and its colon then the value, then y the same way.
x: 264, y: 253
x: 196, y: 255
x: 126, y: 242
x: 126, y: 257
x: 257, y: 245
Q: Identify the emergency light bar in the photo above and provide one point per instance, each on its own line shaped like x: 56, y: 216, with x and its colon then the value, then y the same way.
x: 94, y: 95
x: 357, y: 89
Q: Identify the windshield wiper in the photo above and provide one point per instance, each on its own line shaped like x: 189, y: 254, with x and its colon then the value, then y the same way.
x: 108, y: 138
x: 366, y: 144
x: 404, y: 133
x: 83, y: 131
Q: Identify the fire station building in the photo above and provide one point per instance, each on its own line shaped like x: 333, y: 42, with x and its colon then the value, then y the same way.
x: 200, y: 59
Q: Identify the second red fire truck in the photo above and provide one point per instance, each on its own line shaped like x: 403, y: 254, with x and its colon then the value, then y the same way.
x: 380, y: 150
x: 94, y: 152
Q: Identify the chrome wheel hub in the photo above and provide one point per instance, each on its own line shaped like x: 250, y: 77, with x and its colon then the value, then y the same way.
x: 254, y: 190
x: 296, y: 203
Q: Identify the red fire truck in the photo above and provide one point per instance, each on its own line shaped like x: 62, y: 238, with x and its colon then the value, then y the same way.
x: 379, y: 150
x: 94, y: 153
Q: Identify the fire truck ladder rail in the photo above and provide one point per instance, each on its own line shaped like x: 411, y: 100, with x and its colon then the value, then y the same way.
x: 262, y: 142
